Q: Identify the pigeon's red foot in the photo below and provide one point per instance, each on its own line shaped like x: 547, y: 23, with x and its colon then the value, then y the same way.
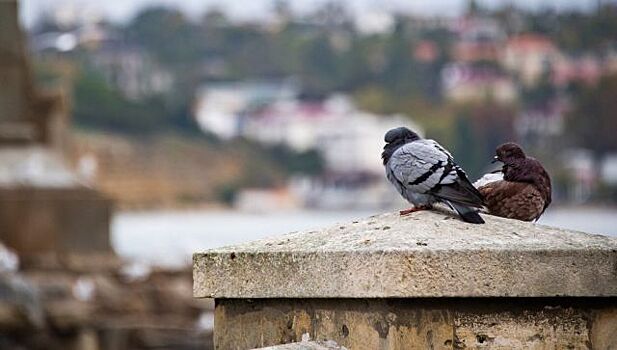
x: 414, y: 209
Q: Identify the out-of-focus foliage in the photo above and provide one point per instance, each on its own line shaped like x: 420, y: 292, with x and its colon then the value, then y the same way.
x: 99, y: 105
x: 306, y: 162
x: 478, y: 130
x: 167, y: 34
x: 593, y: 121
x: 576, y: 31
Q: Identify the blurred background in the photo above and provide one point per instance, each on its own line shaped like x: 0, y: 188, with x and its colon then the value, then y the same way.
x: 133, y: 133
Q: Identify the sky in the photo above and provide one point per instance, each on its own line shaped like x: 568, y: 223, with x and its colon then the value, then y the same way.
x: 124, y: 10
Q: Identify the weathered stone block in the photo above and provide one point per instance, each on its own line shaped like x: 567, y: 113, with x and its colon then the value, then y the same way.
x: 54, y: 220
x: 424, y: 281
x: 427, y: 254
x: 419, y: 323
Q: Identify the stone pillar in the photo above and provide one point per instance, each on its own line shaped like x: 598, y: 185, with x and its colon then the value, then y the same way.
x: 423, y: 281
x: 27, y: 115
x: 44, y: 207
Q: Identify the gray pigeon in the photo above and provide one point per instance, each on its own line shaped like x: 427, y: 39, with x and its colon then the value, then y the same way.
x: 424, y: 173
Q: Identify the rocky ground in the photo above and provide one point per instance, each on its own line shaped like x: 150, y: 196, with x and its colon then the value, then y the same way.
x: 98, y: 303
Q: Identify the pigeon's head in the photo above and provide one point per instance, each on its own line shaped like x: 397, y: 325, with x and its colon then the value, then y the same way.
x: 400, y: 135
x: 396, y: 138
x: 508, y: 152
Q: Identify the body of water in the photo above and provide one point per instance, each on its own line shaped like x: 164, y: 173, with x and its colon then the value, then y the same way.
x: 168, y: 238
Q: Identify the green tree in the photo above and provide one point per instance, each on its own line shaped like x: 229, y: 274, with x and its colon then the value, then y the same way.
x: 167, y: 34
x: 593, y: 120
x: 101, y: 106
x: 479, y: 130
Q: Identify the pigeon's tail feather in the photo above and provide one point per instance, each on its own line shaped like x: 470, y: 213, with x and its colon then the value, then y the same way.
x: 468, y: 214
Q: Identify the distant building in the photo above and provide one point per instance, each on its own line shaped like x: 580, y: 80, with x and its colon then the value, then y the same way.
x: 88, y: 34
x: 542, y: 125
x: 426, y: 51
x: 479, y: 39
x: 221, y: 108
x: 125, y: 66
x: 70, y: 14
x: 374, y: 22
x: 465, y: 83
x: 131, y: 70
x: 476, y: 51
x: 350, y: 140
x: 529, y: 56
x: 610, y: 62
x: 586, y: 69
x: 579, y: 165
x: 609, y: 169
x: 260, y: 200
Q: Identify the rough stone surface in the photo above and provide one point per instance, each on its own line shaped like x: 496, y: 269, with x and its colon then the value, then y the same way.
x: 425, y: 254
x: 420, y: 323
x: 27, y: 114
x: 306, y: 345
x: 36, y: 221
x: 43, y: 207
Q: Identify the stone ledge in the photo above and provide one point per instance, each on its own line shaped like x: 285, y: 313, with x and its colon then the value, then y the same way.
x: 305, y: 345
x: 426, y: 254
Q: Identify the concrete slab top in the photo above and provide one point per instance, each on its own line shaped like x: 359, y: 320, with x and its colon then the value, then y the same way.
x: 425, y: 254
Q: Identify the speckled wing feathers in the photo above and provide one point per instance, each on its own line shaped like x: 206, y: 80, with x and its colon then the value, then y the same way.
x: 425, y: 167
x: 419, y: 166
x: 515, y: 200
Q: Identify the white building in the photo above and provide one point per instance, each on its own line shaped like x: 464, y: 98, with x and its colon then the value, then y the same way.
x: 464, y: 83
x: 220, y: 108
x: 350, y: 140
x: 609, y: 169
x: 529, y: 55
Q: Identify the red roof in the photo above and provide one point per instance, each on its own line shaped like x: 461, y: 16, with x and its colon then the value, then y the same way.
x: 531, y: 42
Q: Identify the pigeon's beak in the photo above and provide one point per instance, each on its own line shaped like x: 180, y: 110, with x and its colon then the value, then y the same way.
x: 495, y: 160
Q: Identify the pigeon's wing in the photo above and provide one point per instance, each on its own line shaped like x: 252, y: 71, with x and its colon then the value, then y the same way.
x: 422, y: 166
x: 514, y: 200
x: 454, y: 186
x: 418, y: 166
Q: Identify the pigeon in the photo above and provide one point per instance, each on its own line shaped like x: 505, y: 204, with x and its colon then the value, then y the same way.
x: 524, y: 193
x: 424, y: 173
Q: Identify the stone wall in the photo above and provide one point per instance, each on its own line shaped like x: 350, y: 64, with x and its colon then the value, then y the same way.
x: 423, y: 281
x: 425, y: 323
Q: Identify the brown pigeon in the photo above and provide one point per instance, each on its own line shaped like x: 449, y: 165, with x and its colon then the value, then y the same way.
x: 525, y: 191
